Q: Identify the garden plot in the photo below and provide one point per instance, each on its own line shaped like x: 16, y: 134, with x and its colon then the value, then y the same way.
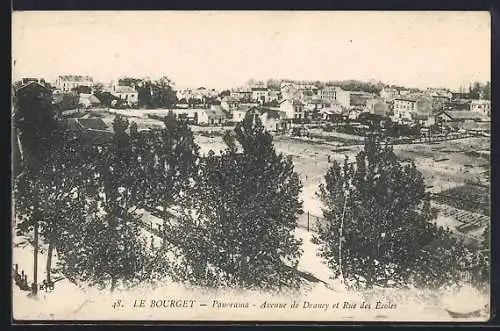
x: 473, y: 198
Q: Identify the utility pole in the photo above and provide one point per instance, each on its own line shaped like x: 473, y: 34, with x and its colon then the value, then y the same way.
x: 34, y: 288
x: 341, y: 234
x: 34, y: 285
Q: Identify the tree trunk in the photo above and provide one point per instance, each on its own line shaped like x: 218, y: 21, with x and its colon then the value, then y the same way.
x: 49, y: 260
x: 35, y: 257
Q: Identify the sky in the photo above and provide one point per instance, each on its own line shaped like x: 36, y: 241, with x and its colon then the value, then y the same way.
x: 226, y: 49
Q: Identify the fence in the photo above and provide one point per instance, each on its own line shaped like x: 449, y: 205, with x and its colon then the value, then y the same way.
x: 21, y: 280
x: 310, y: 221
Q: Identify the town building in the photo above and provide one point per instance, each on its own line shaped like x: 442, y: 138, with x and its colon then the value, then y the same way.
x: 439, y: 93
x: 126, y: 93
x: 237, y: 115
x: 307, y: 89
x: 184, y: 95
x: 243, y: 95
x: 404, y: 92
x: 293, y: 108
x: 403, y: 107
x: 66, y: 83
x: 335, y: 113
x: 201, y: 116
x: 260, y: 94
x: 274, y: 96
x: 359, y: 98
x: 389, y: 94
x: 459, y: 119
x: 336, y: 93
x: 27, y: 80
x: 481, y: 106
x: 229, y: 103
x: 316, y: 104
x: 272, y: 120
x: 457, y: 105
x: 425, y: 120
x: 216, y: 116
x: 290, y: 91
x: 377, y: 107
x: 460, y: 96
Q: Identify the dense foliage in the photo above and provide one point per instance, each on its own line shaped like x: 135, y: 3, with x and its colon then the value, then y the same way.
x: 247, y: 207
x: 373, y: 207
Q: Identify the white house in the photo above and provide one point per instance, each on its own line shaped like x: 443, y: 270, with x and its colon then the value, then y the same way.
x: 238, y: 114
x: 481, y: 106
x: 241, y: 94
x: 127, y: 93
x: 260, y: 94
x: 229, y: 103
x: 293, y: 108
x: 272, y: 120
x: 273, y: 96
x: 316, y: 104
x: 389, y: 94
x: 66, y: 83
x: 336, y: 112
x: 336, y: 93
x: 216, y: 116
x: 405, y: 106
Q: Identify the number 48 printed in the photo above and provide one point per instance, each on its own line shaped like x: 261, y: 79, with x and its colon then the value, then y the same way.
x: 118, y: 304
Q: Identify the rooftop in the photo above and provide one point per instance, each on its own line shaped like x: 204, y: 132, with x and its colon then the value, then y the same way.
x: 465, y: 115
x: 92, y: 123
x: 229, y: 99
x: 124, y: 89
x: 75, y: 78
x: 215, y: 113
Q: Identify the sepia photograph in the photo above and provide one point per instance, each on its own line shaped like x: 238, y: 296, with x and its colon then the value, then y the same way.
x: 313, y: 166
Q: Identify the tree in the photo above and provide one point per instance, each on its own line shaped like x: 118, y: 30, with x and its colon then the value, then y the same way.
x: 106, y: 98
x: 486, y: 91
x: 105, y: 244
x: 103, y: 249
x: 245, y: 208
x: 66, y: 101
x: 34, y: 121
x: 273, y: 84
x: 162, y: 93
x: 371, y: 209
x: 39, y: 136
x: 144, y: 94
x: 172, y: 164
x: 55, y: 184
x: 224, y: 93
x: 98, y: 88
x: 482, y: 275
x: 475, y: 90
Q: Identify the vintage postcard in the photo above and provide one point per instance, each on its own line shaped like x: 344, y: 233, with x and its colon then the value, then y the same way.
x: 251, y: 166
